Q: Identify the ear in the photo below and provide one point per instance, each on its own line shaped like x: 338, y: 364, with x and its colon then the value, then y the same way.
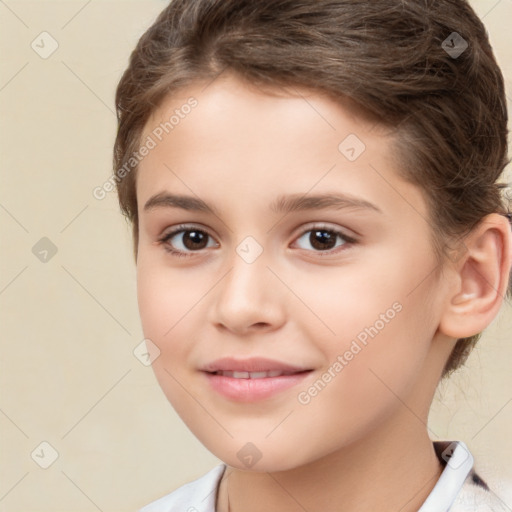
x: 479, y: 278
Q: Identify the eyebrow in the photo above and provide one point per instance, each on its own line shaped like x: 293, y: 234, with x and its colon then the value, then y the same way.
x: 282, y: 204
x: 298, y: 202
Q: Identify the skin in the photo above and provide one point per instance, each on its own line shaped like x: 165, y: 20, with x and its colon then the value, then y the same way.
x: 361, y: 443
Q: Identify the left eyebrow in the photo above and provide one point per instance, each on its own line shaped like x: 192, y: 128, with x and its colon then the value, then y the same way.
x: 282, y: 204
x: 298, y: 202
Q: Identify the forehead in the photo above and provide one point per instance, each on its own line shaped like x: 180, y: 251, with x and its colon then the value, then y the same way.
x: 228, y: 94
x: 225, y: 136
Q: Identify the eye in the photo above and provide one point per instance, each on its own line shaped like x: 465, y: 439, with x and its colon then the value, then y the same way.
x: 185, y: 239
x: 323, y: 238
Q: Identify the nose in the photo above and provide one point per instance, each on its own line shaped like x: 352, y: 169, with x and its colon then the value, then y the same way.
x: 249, y: 298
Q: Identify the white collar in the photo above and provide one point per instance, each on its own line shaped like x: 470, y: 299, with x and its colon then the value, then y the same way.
x: 458, y: 462
x: 200, y: 495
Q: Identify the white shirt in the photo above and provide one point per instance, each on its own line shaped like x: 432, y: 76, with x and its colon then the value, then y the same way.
x: 459, y: 488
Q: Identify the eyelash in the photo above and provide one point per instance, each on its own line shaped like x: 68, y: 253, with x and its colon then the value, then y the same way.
x: 348, y: 241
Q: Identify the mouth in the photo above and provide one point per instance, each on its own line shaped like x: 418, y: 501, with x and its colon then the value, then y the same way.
x: 254, y: 375
x: 254, y: 379
x: 252, y: 366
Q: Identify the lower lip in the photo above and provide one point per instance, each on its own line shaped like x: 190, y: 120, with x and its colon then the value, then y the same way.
x: 252, y: 390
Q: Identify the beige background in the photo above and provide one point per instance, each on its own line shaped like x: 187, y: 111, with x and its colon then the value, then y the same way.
x: 69, y: 325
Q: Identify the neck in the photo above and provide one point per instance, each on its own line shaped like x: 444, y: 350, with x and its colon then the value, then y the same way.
x: 393, y: 469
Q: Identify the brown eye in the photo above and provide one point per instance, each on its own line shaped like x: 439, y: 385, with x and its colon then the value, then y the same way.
x: 193, y: 239
x: 184, y: 240
x: 324, y: 239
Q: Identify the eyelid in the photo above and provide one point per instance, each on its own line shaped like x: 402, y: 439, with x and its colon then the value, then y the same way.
x: 184, y: 227
x: 328, y: 227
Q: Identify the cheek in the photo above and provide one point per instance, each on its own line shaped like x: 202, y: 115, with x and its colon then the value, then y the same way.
x: 362, y: 300
x: 371, y: 367
x: 165, y: 297
x: 173, y: 306
x: 166, y: 307
x: 378, y: 318
x: 153, y: 299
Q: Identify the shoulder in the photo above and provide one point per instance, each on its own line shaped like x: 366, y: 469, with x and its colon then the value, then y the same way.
x: 484, y: 495
x: 464, y: 488
x: 196, y: 496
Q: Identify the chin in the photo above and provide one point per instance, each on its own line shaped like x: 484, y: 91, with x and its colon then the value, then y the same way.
x: 257, y: 457
x: 269, y: 465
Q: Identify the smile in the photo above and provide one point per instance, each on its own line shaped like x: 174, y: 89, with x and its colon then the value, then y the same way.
x: 252, y: 375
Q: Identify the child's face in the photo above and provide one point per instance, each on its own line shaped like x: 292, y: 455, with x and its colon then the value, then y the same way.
x: 302, y: 301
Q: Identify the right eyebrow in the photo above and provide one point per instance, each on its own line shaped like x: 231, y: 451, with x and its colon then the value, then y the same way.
x: 164, y: 199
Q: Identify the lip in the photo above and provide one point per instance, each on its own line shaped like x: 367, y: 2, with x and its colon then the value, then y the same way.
x: 253, y: 364
x: 252, y: 389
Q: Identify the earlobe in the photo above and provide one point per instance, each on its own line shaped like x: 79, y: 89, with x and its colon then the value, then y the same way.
x: 480, y: 278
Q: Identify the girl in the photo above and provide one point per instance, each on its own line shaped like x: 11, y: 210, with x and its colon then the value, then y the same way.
x: 320, y: 237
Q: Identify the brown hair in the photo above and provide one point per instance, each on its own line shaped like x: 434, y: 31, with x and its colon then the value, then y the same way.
x: 397, y: 58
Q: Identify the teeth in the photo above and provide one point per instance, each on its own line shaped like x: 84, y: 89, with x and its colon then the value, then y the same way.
x: 241, y: 375
x: 251, y: 375
x: 257, y: 375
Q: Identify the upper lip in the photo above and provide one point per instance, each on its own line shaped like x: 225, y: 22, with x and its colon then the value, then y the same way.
x: 253, y: 364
